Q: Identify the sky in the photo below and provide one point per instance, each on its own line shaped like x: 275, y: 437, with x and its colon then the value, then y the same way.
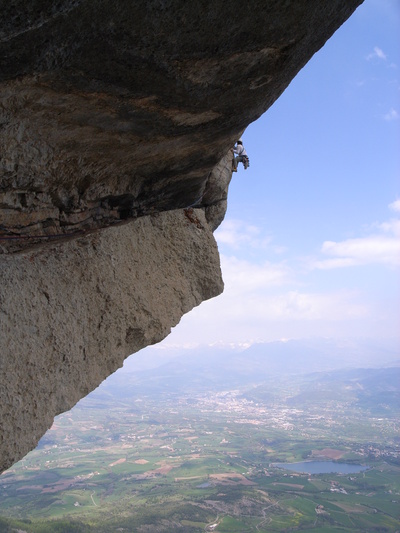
x: 310, y: 245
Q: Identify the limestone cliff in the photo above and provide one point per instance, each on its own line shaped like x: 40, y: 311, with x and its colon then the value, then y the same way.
x: 79, y: 308
x: 116, y: 123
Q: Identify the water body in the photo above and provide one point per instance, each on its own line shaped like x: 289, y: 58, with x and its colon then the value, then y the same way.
x: 322, y: 467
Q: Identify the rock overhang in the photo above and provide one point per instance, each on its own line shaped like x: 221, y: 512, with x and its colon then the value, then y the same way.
x: 112, y: 110
x: 114, y: 116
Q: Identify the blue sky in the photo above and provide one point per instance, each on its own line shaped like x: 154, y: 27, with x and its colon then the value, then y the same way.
x: 310, y: 245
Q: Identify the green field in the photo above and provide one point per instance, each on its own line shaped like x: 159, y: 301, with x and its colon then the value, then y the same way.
x: 203, y: 462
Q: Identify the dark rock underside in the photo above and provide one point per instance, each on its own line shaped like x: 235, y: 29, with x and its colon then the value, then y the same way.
x: 111, y: 110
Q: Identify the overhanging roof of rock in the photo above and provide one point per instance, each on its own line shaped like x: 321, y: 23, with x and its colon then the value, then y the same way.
x: 128, y: 105
x: 110, y: 109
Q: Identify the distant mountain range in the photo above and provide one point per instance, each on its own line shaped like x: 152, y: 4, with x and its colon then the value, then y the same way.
x: 374, y: 389
x: 293, y: 356
x: 321, y: 368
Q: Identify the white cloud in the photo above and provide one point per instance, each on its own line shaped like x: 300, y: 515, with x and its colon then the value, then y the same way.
x: 266, y: 302
x: 395, y: 206
x: 392, y: 227
x: 243, y: 276
x: 337, y: 262
x: 381, y: 247
x: 392, y: 114
x: 305, y: 306
x: 377, y: 53
x: 362, y: 251
x: 236, y: 234
x: 246, y: 316
x: 261, y: 292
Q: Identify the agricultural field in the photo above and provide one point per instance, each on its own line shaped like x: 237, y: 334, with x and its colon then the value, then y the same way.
x: 200, y: 460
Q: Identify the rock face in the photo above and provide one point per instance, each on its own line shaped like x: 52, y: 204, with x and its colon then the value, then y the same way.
x: 116, y: 120
x: 114, y: 109
x: 80, y: 307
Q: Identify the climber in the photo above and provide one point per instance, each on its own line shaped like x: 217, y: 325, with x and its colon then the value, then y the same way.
x: 241, y: 156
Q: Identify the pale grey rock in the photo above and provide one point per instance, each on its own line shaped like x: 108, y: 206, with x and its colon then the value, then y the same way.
x: 70, y: 313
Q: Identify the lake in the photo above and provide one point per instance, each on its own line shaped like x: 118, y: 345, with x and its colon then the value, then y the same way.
x: 322, y: 467
x: 204, y: 485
